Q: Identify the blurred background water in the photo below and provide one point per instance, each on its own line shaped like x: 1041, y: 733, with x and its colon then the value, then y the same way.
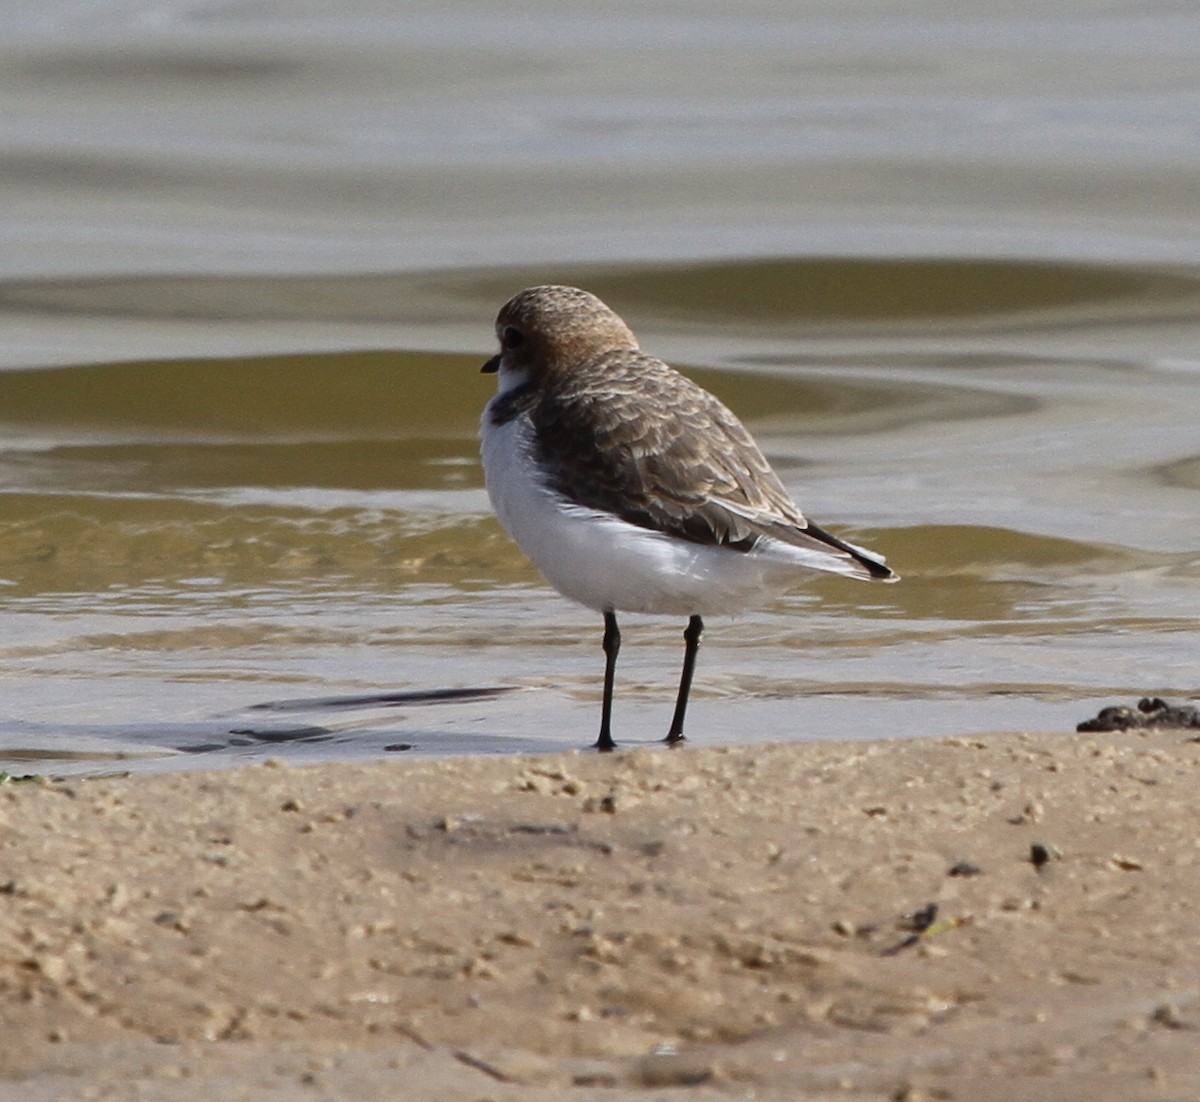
x: 944, y: 258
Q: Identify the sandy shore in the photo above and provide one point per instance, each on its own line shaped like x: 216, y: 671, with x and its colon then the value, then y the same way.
x: 700, y: 923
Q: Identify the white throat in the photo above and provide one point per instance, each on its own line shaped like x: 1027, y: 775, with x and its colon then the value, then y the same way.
x: 509, y: 378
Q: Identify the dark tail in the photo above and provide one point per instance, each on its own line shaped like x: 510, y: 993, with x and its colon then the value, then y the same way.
x: 878, y: 570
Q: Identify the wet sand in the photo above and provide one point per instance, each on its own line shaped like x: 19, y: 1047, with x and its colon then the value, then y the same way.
x: 701, y: 923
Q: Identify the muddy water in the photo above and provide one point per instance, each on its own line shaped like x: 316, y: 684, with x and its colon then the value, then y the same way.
x: 240, y: 390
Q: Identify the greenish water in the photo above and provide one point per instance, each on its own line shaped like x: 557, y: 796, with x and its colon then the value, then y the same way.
x: 184, y: 539
x: 942, y: 264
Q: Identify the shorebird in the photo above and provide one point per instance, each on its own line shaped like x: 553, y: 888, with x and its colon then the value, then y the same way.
x: 632, y: 488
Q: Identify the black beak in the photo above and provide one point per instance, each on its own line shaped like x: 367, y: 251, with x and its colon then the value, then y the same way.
x: 491, y: 367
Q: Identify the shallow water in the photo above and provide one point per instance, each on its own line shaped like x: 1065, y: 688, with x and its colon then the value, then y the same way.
x: 942, y: 266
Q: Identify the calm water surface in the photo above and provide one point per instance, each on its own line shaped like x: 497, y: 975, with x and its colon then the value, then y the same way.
x: 943, y: 263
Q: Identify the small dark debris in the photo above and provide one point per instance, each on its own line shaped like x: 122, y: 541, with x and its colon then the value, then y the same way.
x: 1167, y: 1014
x: 490, y: 1070
x: 923, y: 925
x: 1151, y: 711
x: 1042, y: 853
x: 964, y: 868
x: 916, y: 922
x: 900, y: 946
x: 919, y: 920
x: 542, y: 828
x: 397, y: 747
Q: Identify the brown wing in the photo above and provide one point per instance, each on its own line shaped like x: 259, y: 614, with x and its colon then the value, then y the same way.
x: 631, y: 436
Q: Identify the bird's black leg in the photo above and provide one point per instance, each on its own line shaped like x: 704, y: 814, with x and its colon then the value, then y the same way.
x: 612, y: 645
x: 691, y: 638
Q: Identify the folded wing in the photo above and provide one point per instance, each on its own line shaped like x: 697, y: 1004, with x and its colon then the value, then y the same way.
x: 632, y: 437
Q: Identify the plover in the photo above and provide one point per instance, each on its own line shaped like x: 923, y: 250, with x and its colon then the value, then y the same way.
x: 632, y: 488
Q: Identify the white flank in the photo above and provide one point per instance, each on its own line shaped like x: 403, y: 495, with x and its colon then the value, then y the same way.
x: 607, y: 564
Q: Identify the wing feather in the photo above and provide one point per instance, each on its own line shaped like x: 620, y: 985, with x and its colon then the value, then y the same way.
x: 630, y: 436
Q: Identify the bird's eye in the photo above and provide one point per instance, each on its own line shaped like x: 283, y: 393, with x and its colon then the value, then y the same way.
x: 512, y: 337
